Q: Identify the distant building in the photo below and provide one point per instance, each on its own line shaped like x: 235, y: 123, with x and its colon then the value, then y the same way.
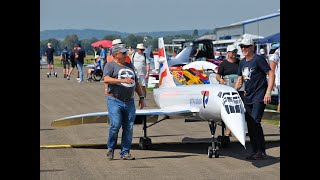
x: 260, y: 26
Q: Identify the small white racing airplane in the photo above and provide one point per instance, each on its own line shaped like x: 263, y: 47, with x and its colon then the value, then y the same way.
x: 217, y: 104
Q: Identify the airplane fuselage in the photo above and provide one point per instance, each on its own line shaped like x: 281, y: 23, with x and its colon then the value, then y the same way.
x: 206, y: 97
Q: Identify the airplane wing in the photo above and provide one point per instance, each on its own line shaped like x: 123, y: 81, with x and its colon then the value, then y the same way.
x: 151, y: 115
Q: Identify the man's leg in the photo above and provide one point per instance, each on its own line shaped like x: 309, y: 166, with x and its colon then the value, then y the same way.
x: 115, y: 116
x: 257, y: 112
x: 251, y: 128
x: 128, y: 117
x: 80, y: 66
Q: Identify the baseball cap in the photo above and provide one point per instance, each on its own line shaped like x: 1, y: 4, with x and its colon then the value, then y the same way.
x: 246, y: 42
x: 231, y: 48
x: 119, y: 48
x: 49, y: 44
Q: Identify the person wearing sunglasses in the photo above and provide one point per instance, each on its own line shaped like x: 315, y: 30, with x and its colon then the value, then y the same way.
x: 227, y: 72
x: 253, y: 71
x: 121, y: 82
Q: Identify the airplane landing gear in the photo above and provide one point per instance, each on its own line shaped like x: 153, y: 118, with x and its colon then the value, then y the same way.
x: 214, y: 149
x: 145, y: 142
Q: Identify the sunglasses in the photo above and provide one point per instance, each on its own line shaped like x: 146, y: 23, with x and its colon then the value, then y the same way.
x: 245, y: 46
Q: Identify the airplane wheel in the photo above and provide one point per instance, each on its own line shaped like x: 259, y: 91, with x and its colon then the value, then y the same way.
x: 98, y: 75
x: 145, y: 143
x: 210, y: 152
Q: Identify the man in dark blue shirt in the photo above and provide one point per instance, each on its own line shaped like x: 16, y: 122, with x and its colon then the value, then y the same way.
x: 79, y: 56
x: 253, y: 70
x: 49, y: 52
x: 65, y: 56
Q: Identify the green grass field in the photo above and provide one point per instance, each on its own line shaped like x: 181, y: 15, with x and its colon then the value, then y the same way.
x: 57, y: 61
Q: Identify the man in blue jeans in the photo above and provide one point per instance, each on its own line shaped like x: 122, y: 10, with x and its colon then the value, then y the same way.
x: 253, y: 70
x: 79, y: 56
x: 121, y: 82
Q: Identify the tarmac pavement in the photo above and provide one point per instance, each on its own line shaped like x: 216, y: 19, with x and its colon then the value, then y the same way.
x: 179, y: 149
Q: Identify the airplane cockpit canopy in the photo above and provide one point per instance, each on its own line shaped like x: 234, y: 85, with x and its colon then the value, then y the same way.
x: 232, y: 102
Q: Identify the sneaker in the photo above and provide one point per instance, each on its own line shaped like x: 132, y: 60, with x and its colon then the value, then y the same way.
x: 78, y: 79
x: 68, y: 77
x: 110, y: 154
x: 251, y: 155
x: 127, y: 156
x: 258, y: 156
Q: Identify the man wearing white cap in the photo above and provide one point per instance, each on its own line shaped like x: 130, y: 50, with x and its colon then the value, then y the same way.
x: 227, y: 72
x: 253, y: 70
x: 122, y: 83
x: 142, y: 66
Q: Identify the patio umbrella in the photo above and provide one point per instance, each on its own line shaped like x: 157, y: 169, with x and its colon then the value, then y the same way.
x: 104, y: 43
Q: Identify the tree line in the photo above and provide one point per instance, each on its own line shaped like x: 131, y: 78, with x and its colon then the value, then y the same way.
x: 131, y: 40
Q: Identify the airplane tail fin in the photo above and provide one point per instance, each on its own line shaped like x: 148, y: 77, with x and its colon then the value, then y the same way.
x: 165, y: 76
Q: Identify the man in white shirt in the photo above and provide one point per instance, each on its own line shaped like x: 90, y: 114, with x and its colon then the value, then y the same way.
x: 142, y: 67
x: 275, y: 67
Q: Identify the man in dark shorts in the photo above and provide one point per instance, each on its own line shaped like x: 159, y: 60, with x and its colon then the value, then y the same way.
x: 65, y: 61
x: 49, y: 52
x: 73, y: 63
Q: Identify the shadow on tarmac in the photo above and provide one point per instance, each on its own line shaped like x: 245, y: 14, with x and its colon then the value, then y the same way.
x: 195, y: 148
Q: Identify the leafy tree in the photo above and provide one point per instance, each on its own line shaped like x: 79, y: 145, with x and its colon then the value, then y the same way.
x: 70, y: 41
x: 195, y: 32
x: 111, y: 37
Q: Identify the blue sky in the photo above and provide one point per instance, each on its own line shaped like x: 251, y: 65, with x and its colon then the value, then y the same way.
x: 134, y: 16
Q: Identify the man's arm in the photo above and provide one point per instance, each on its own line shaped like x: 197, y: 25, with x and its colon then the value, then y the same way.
x: 267, y: 96
x: 238, y: 84
x: 148, y: 70
x: 140, y: 94
x: 219, y: 79
x: 273, y: 69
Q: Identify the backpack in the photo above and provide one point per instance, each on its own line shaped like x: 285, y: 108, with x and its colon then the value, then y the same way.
x: 65, y: 55
x: 145, y: 57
